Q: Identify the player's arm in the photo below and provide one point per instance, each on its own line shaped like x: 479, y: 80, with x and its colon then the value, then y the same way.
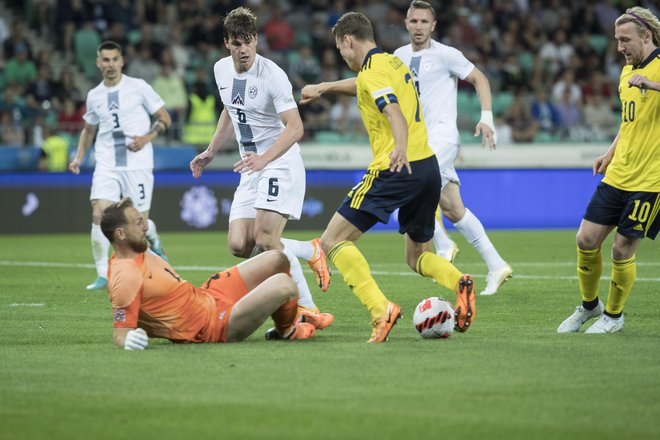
x: 485, y: 126
x: 602, y: 162
x: 223, y: 132
x: 642, y: 82
x: 312, y: 92
x: 130, y: 338
x: 84, y: 143
x: 399, y: 126
x: 292, y: 133
x: 160, y: 125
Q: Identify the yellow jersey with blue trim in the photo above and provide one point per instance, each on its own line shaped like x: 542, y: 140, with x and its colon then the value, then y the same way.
x: 384, y: 79
x: 636, y: 162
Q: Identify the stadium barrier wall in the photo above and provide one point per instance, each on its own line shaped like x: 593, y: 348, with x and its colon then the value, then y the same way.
x: 501, y: 198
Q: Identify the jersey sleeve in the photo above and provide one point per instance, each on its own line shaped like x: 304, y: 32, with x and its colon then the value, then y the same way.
x: 152, y: 100
x: 457, y: 63
x: 377, y: 83
x: 282, y: 92
x: 90, y: 116
x: 125, y: 290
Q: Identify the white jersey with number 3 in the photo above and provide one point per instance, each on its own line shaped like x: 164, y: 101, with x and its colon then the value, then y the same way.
x: 254, y: 100
x: 436, y: 71
x: 122, y: 111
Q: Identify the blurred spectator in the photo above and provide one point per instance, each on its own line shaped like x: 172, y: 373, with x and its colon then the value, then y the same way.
x: 279, y: 33
x: 570, y: 114
x: 306, y: 69
x: 4, y: 31
x: 557, y: 52
x: 66, y: 88
x: 202, y: 120
x: 143, y: 66
x: 10, y: 133
x: 124, y: 12
x: 117, y: 33
x: 180, y: 52
x: 17, y: 42
x: 54, y: 152
x: 390, y: 32
x: 519, y: 116
x: 170, y: 86
x: 70, y: 117
x: 545, y: 113
x: 598, y: 116
x: 503, y: 130
x: 566, y: 82
x: 20, y: 70
x: 345, y: 116
x: 42, y: 17
x: 41, y: 92
x: 69, y: 16
x: 597, y: 84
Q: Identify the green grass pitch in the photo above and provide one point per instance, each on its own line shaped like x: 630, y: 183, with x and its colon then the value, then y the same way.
x: 510, y: 377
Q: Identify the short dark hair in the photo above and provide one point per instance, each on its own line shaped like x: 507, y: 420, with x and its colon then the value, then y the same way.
x: 421, y: 4
x: 114, y: 216
x: 355, y: 24
x: 108, y: 45
x: 239, y: 23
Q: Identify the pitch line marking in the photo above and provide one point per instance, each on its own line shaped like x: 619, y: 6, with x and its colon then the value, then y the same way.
x: 212, y: 269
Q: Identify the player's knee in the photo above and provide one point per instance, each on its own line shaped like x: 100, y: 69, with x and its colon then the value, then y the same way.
x: 239, y: 248
x: 286, y: 286
x: 586, y: 242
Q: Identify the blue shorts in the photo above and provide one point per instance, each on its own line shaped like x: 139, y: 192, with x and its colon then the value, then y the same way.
x: 381, y: 192
x: 635, y: 214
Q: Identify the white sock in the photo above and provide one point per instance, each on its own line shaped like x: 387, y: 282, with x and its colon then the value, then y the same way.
x: 304, y: 295
x: 441, y: 240
x: 152, y: 233
x: 301, y: 249
x: 473, y: 231
x: 100, y: 249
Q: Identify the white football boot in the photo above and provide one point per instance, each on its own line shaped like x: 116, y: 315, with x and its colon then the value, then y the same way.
x: 606, y: 324
x: 495, y: 279
x: 581, y: 315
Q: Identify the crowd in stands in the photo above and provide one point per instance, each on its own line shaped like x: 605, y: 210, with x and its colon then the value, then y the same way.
x: 553, y: 65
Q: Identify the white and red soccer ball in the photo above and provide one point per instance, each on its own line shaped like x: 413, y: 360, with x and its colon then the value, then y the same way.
x: 434, y: 318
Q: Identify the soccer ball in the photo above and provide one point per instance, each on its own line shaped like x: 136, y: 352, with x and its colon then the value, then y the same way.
x: 434, y: 318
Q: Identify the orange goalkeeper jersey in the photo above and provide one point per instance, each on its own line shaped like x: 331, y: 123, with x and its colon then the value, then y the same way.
x: 146, y: 292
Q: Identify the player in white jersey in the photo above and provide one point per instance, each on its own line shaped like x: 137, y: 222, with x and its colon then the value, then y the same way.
x: 259, y: 106
x: 436, y: 69
x: 120, y: 109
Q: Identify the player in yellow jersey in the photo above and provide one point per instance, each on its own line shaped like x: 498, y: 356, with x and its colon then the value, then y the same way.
x: 149, y: 299
x: 628, y: 198
x: 403, y: 174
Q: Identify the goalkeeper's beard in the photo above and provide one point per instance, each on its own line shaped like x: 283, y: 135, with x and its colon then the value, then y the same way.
x: 139, y: 246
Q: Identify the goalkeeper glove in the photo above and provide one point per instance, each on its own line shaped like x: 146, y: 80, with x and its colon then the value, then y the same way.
x: 136, y: 340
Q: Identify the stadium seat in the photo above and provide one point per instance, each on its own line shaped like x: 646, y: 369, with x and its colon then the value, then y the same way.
x: 598, y: 43
x: 502, y: 101
x: 526, y: 61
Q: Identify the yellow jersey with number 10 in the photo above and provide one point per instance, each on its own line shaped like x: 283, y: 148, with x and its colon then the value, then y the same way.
x: 385, y: 79
x: 636, y: 162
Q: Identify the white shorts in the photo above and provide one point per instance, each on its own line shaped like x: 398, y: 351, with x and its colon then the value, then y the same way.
x: 446, y: 154
x: 113, y: 185
x: 279, y: 187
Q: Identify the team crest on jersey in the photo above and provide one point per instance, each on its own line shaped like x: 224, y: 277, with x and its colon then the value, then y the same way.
x: 120, y: 315
x: 643, y: 92
x: 238, y: 100
x: 428, y: 66
x: 252, y: 92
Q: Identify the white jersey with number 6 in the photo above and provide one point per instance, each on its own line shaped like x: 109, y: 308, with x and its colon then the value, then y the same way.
x: 254, y: 100
x: 121, y: 111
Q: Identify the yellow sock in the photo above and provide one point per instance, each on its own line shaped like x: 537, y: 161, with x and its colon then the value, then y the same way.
x: 355, y: 270
x: 624, y: 273
x: 589, y: 270
x: 440, y: 269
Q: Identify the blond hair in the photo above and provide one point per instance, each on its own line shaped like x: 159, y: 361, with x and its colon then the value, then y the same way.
x: 644, y: 21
